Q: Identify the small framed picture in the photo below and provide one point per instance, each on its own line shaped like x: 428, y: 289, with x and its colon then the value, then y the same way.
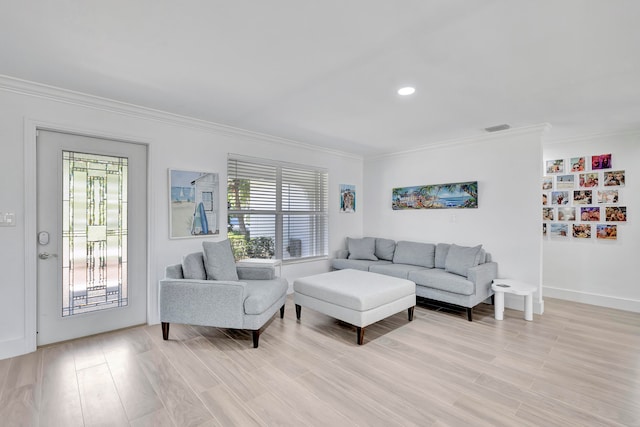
x: 616, y: 213
x: 590, y: 214
x: 544, y: 229
x: 577, y: 164
x: 608, y: 196
x: 559, y: 230
x: 582, y: 197
x: 588, y: 180
x: 565, y: 182
x: 547, y: 183
x: 559, y: 197
x: 347, y: 198
x: 566, y: 214
x: 614, y: 178
x: 547, y: 214
x: 607, y: 231
x: 602, y: 161
x: 582, y: 231
x: 545, y: 199
x: 555, y: 166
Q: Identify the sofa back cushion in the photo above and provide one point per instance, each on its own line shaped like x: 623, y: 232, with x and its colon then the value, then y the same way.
x: 414, y: 253
x: 362, y: 248
x: 218, y: 261
x: 461, y: 258
x: 193, y: 266
x: 442, y: 249
x: 385, y: 248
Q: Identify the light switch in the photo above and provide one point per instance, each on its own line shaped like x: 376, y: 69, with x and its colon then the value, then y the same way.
x: 7, y: 219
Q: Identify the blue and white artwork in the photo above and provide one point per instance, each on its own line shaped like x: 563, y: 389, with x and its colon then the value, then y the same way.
x: 347, y: 198
x: 458, y: 195
x: 194, y: 204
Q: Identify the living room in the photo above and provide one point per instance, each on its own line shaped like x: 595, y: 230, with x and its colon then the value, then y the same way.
x: 508, y: 166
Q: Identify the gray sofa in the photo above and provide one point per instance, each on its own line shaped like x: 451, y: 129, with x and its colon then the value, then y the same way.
x: 208, y: 289
x: 448, y: 273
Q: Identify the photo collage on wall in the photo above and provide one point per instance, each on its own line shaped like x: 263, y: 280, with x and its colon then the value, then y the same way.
x: 581, y: 198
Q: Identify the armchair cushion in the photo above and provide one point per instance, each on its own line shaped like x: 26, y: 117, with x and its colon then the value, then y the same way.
x: 218, y: 261
x: 193, y: 266
x: 362, y: 248
x: 461, y: 258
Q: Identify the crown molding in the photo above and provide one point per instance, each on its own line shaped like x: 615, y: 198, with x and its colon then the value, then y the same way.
x: 592, y: 137
x: 43, y: 91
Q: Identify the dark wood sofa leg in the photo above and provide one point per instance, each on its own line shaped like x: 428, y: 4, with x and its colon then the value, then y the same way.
x: 298, y: 310
x: 410, y: 313
x: 360, y: 335
x: 282, y: 312
x: 256, y: 338
x: 469, y: 315
x: 165, y: 331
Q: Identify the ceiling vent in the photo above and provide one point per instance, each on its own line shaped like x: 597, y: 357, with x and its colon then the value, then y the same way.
x: 497, y: 128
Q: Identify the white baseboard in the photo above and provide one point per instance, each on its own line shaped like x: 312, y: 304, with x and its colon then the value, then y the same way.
x: 593, y: 299
x: 14, y: 348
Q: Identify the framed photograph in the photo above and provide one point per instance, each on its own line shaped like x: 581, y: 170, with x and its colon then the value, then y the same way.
x: 614, y: 178
x: 558, y: 230
x: 588, y: 180
x: 193, y: 204
x: 577, y: 164
x: 555, y: 166
x: 590, y: 214
x: 608, y: 196
x: 544, y: 229
x: 547, y: 214
x: 606, y: 231
x: 565, y: 182
x: 582, y: 231
x: 602, y: 161
x: 547, y: 183
x: 458, y: 195
x: 566, y: 214
x: 545, y: 199
x: 347, y: 198
x: 582, y: 197
x: 616, y: 213
x: 559, y: 197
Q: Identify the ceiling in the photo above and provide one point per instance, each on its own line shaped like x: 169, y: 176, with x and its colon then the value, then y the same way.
x: 325, y: 72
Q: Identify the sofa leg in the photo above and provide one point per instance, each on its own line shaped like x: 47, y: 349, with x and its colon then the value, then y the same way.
x: 256, y: 338
x: 360, y: 335
x: 410, y: 313
x: 282, y: 312
x: 493, y: 300
x: 298, y: 310
x: 165, y: 330
x: 469, y: 315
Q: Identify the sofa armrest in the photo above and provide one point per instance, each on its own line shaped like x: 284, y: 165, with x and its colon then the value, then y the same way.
x: 202, y: 302
x: 482, y: 276
x: 261, y: 272
x: 342, y: 254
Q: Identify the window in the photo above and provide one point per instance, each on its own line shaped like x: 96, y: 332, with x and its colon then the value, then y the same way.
x: 276, y: 210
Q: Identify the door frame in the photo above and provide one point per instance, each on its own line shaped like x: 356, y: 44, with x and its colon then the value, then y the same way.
x: 31, y: 128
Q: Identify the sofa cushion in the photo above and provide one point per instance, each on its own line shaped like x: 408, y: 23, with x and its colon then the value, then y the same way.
x: 362, y: 248
x: 414, y: 253
x: 262, y: 294
x: 356, y: 264
x: 441, y: 254
x: 396, y: 270
x: 385, y: 248
x: 193, y: 266
x: 436, y: 278
x: 218, y: 261
x: 461, y: 258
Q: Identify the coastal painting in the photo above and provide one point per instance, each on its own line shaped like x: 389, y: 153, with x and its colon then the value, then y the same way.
x: 458, y: 195
x: 194, y: 204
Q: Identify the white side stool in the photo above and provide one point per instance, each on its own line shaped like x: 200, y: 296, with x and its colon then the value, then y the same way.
x: 502, y: 286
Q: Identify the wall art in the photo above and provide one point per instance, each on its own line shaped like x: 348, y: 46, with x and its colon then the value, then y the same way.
x: 347, y: 198
x: 582, y: 231
x: 616, y: 213
x: 193, y: 204
x: 602, y: 161
x: 564, y: 182
x: 608, y: 232
x: 615, y: 178
x: 458, y: 195
x: 555, y: 166
x: 559, y: 230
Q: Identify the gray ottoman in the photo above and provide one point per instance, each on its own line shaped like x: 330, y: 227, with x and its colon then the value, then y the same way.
x: 354, y: 296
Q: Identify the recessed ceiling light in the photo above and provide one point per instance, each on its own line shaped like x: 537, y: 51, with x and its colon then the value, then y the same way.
x: 407, y: 90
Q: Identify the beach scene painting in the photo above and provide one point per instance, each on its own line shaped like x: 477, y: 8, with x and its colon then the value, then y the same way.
x: 194, y: 204
x: 458, y: 195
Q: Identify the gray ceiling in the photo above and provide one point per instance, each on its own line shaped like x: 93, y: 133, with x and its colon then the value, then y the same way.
x: 325, y: 72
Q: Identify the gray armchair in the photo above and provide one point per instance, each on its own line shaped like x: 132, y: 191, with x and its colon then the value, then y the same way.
x: 246, y: 303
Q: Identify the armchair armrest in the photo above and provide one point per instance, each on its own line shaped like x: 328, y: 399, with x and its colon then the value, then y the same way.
x: 257, y: 272
x: 202, y: 302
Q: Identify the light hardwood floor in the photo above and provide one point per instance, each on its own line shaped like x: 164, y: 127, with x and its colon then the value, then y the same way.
x: 576, y: 365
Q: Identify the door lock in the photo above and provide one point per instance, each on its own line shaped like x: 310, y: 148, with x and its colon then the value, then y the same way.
x: 46, y: 255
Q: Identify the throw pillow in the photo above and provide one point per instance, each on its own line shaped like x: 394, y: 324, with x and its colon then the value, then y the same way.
x: 193, y: 266
x: 385, y: 249
x: 461, y: 258
x: 415, y: 253
x: 362, y: 248
x: 442, y: 249
x: 218, y: 261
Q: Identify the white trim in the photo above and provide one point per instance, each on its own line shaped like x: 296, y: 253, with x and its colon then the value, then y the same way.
x: 581, y: 139
x: 39, y: 90
x: 593, y: 299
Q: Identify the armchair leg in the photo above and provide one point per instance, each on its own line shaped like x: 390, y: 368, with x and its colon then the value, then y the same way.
x: 165, y: 330
x: 282, y: 312
x: 256, y: 338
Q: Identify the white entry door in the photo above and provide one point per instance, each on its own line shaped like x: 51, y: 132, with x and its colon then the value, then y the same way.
x: 92, y: 234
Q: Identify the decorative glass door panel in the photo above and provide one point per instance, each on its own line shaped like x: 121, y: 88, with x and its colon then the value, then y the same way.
x: 94, y: 232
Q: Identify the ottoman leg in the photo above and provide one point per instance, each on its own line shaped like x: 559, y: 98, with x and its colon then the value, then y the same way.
x: 298, y: 310
x: 410, y: 313
x: 282, y: 312
x: 360, y: 334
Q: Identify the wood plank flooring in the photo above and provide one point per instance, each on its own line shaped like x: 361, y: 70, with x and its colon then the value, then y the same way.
x: 577, y: 365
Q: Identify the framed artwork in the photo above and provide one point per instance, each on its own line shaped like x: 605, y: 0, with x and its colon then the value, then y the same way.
x: 615, y: 213
x: 566, y: 214
x: 547, y: 183
x: 588, y: 180
x: 602, y: 161
x: 608, y: 196
x: 555, y: 166
x: 559, y: 197
x: 565, y: 182
x: 614, y: 178
x: 458, y: 195
x: 589, y: 214
x: 607, y: 232
x: 193, y: 204
x: 347, y: 198
x: 582, y: 231
x: 558, y: 230
x: 577, y: 164
x: 544, y: 229
x: 582, y: 197
x: 545, y: 199
x: 547, y: 214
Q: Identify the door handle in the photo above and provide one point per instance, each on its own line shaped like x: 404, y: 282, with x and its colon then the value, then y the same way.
x: 46, y: 255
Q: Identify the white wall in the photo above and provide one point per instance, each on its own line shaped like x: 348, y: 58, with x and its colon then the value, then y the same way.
x: 593, y: 271
x: 507, y: 220
x: 174, y: 142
